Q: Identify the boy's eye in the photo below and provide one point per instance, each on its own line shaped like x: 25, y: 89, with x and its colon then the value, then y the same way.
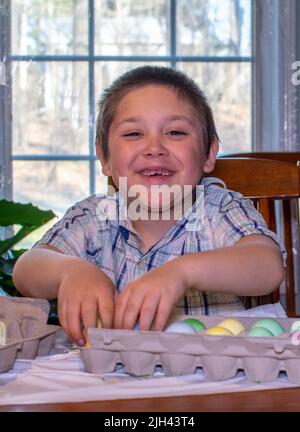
x: 176, y: 132
x: 132, y: 134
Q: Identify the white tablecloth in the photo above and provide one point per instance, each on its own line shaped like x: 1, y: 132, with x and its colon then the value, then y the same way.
x: 60, y: 377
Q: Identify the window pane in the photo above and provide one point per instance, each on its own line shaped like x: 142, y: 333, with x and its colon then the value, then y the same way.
x: 131, y: 27
x: 228, y: 89
x: 107, y: 72
x: 50, y: 107
x: 49, y: 27
x: 50, y: 185
x: 214, y: 27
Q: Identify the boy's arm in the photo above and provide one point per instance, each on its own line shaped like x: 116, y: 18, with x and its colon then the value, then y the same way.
x: 39, y: 271
x: 253, y: 266
x: 83, y: 290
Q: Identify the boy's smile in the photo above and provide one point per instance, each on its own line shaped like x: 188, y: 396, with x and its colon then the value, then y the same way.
x: 155, y: 139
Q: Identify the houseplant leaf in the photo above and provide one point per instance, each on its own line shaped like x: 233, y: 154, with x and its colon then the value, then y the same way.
x: 27, y: 216
x: 23, y: 214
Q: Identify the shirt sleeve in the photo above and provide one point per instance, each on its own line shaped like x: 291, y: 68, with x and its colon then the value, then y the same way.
x: 236, y: 217
x: 71, y: 233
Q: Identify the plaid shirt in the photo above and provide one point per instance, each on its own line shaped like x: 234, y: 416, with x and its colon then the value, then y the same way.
x: 93, y: 231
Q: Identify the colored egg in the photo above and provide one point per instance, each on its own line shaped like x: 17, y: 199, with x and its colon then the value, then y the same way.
x: 196, y: 324
x: 295, y: 326
x: 180, y: 327
x: 259, y: 331
x: 270, y: 324
x: 219, y: 331
x: 232, y: 325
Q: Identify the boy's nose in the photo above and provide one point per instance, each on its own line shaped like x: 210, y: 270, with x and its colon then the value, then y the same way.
x: 154, y: 148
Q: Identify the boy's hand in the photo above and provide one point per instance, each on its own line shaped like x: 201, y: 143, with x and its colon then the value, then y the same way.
x: 85, y: 293
x: 150, y: 298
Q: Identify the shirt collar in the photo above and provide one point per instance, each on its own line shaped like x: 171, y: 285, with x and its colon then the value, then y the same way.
x: 116, y: 212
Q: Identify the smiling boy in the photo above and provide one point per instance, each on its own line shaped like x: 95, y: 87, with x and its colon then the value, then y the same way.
x: 154, y: 129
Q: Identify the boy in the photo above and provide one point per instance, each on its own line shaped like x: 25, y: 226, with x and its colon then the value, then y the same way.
x: 154, y: 129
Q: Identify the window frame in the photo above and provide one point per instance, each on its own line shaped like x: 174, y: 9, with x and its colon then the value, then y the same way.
x: 276, y: 101
x: 5, y: 123
x: 5, y: 105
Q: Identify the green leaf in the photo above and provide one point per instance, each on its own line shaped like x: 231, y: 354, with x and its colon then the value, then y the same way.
x: 15, y: 254
x: 12, y: 213
x: 27, y: 216
x: 7, y: 244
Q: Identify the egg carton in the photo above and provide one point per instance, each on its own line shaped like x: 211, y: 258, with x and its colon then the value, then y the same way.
x: 27, y: 348
x: 26, y: 333
x: 220, y: 357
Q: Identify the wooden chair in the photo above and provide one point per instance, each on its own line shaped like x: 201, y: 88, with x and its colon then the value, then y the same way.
x: 280, y: 156
x: 266, y: 181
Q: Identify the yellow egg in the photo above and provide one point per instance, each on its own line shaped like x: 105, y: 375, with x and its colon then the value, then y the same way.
x: 219, y: 331
x: 233, y: 325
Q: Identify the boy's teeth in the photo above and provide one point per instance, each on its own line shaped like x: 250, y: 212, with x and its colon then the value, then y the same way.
x: 151, y: 173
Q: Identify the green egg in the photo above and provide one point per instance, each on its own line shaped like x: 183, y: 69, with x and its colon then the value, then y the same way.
x: 270, y: 324
x: 259, y: 331
x: 196, y: 324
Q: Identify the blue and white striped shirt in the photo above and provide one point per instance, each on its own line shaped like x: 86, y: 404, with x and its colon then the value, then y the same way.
x: 113, y: 245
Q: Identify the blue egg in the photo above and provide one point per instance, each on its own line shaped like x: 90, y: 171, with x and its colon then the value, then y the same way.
x: 181, y: 327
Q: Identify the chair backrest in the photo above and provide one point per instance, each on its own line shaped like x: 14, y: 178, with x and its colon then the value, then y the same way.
x: 266, y: 181
x: 280, y: 156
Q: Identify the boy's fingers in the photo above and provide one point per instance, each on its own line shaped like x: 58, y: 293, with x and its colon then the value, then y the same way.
x: 89, y: 314
x: 106, y: 312
x: 120, y: 306
x: 62, y: 314
x: 162, y: 314
x: 133, y: 307
x: 131, y: 315
x: 74, y: 324
x: 148, y: 312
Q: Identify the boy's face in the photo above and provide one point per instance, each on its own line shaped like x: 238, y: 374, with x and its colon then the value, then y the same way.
x: 156, y: 139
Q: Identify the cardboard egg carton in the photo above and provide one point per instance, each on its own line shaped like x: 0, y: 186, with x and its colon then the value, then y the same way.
x: 140, y: 352
x: 24, y: 330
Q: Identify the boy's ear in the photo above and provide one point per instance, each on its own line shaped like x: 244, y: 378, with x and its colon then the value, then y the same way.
x: 212, y: 156
x: 104, y: 162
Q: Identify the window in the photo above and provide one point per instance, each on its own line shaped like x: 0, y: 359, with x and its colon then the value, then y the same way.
x: 64, y: 52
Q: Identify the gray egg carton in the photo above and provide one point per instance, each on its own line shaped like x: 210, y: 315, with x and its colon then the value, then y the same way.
x: 27, y: 334
x: 220, y: 357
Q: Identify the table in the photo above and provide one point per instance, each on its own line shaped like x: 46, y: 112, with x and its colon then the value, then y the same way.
x: 287, y: 399
x: 281, y: 398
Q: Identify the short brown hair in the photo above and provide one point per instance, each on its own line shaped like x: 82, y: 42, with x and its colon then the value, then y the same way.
x: 185, y: 87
